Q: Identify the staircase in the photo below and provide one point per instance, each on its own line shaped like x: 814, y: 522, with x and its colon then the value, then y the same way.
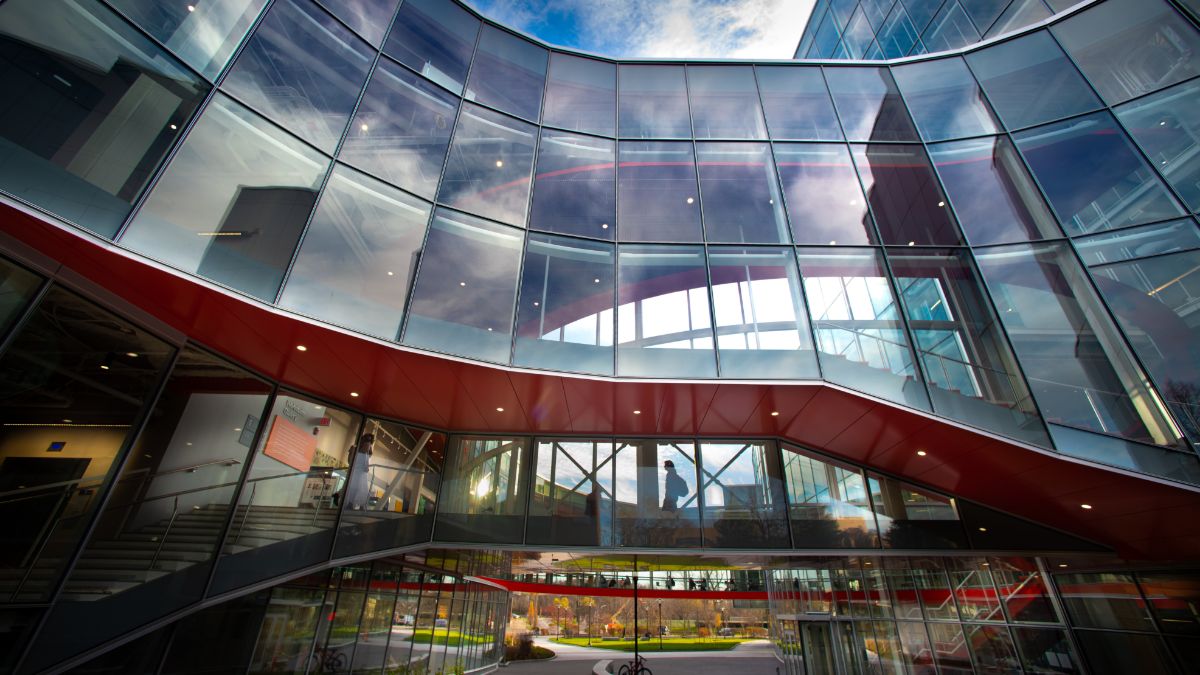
x: 112, y: 565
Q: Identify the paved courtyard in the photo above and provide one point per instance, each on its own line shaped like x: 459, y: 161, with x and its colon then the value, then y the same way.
x: 750, y: 658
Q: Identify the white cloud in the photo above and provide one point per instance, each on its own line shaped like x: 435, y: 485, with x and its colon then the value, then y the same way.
x: 667, y: 28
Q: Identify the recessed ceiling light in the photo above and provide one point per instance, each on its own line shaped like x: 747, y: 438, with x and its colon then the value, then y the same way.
x: 868, y: 562
x: 499, y: 163
x: 132, y: 355
x: 604, y: 226
x: 237, y: 428
x: 1062, y: 564
x: 637, y: 412
x: 66, y: 421
x: 364, y: 126
x: 595, y: 281
x: 301, y: 348
x: 499, y: 409
x: 536, y: 303
x: 174, y: 127
x: 983, y: 529
x: 690, y: 200
x: 774, y: 413
x: 941, y: 203
x: 912, y: 243
x: 1086, y: 507
x: 462, y: 283
x: 987, y: 564
x: 833, y: 243
x: 921, y: 453
x: 103, y: 367
x: 191, y: 8
x: 354, y: 394
x: 391, y: 274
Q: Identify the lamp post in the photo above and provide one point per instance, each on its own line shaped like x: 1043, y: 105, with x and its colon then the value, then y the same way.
x: 660, y: 625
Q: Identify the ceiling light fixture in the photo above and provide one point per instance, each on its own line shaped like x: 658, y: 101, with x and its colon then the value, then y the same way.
x: 1086, y: 507
x: 301, y: 348
x: 499, y: 409
x: 637, y: 412
x: 774, y: 413
x: 921, y: 453
x: 354, y: 394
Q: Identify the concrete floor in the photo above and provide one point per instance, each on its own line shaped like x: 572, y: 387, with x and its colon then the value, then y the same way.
x: 750, y: 658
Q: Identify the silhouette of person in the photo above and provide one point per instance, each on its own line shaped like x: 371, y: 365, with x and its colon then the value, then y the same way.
x: 674, y: 487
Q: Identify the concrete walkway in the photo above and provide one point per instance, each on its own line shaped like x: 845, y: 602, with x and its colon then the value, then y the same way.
x: 749, y: 658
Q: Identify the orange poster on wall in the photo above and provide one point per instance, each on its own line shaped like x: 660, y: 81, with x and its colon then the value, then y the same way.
x: 290, y: 444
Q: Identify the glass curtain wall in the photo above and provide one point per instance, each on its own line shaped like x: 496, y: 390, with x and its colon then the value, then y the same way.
x: 485, y: 490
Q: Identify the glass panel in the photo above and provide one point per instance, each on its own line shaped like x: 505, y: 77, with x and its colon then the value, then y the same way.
x: 860, y: 335
x: 303, y: 70
x: 393, y: 488
x: 856, y: 38
x: 912, y: 517
x: 950, y: 649
x: 485, y: 491
x: 140, y: 656
x: 825, y: 202
x: 869, y: 104
x: 652, y: 102
x: 922, y: 11
x: 358, y: 256
x: 491, y: 159
x: 1045, y: 650
x: 1029, y: 80
x: 897, y: 36
x: 974, y: 591
x: 996, y: 200
x: 288, y: 507
x: 740, y: 193
x: 233, y: 202
x: 992, y: 649
x: 168, y: 509
x: 574, y: 190
x: 1104, y: 600
x: 399, y: 641
x: 72, y: 382
x: 572, y: 500
x: 916, y: 652
x: 288, y: 626
x: 17, y: 288
x: 904, y: 194
x: 762, y: 327
x: 1094, y: 178
x: 581, y: 95
x: 664, y: 327
x: 724, y: 102
x: 402, y: 130
x: 743, y: 496
x: 509, y: 73
x: 1019, y: 14
x: 339, y: 619
x: 972, y: 373
x: 1023, y: 590
x: 984, y: 12
x: 376, y: 627
x: 369, y: 18
x: 797, y: 104
x: 1174, y: 599
x: 1109, y: 653
x: 826, y: 39
x: 656, y: 501
x: 1131, y: 47
x: 656, y: 183
x: 1138, y: 242
x: 944, y: 100
x: 86, y: 122
x: 1166, y: 128
x: 950, y: 29
x: 220, y: 637
x: 1078, y: 367
x: 204, y: 39
x: 828, y: 503
x: 1138, y: 292
x: 435, y: 38
x: 937, y: 598
x: 466, y: 287
x: 565, y: 317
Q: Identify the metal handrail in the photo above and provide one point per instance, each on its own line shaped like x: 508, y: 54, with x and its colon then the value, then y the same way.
x: 246, y: 514
x: 166, y: 533
x: 46, y: 486
x: 228, y: 461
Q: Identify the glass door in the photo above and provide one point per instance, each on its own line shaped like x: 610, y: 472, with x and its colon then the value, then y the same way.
x: 827, y: 647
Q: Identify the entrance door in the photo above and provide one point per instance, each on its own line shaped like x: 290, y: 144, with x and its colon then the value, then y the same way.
x: 828, y: 647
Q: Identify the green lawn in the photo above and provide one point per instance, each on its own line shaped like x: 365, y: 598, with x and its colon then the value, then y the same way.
x: 668, y: 644
x: 440, y: 637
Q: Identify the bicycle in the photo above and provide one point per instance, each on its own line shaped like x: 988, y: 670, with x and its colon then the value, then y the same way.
x: 635, y: 667
x: 328, y: 660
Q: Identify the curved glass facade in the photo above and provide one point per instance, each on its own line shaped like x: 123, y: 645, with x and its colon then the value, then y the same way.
x: 1004, y: 236
x: 446, y: 192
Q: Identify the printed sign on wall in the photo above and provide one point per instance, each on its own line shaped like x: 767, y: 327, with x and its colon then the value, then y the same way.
x: 290, y: 444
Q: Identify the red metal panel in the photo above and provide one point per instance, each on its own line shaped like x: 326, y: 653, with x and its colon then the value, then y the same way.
x: 1136, y: 515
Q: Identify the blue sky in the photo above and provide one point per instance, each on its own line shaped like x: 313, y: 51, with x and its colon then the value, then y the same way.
x: 659, y: 28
